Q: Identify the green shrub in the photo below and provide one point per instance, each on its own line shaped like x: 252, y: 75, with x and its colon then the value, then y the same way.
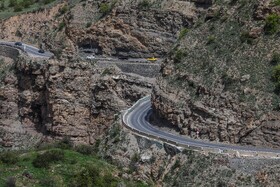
x: 88, y: 176
x: 48, y: 182
x: 27, y: 3
x: 65, y: 143
x: 18, y: 7
x: 2, y: 5
x: 135, y: 157
x: 106, y: 71
x: 144, y: 4
x: 211, y: 39
x: 105, y: 8
x: 96, y: 146
x: 88, y: 24
x: 276, y: 2
x: 276, y: 73
x: 183, y: 33
x: 85, y: 149
x: 64, y: 9
x: 12, y: 3
x: 11, y: 182
x: 179, y: 55
x: 9, y: 157
x: 176, y: 165
x: 44, y: 160
x: 48, y: 1
x: 275, y: 59
x: 272, y: 24
x: 276, y: 77
x: 61, y: 26
x: 245, y: 37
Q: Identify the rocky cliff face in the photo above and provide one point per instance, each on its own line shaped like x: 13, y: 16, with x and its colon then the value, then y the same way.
x: 50, y: 100
x: 131, y: 32
x: 121, y: 28
x: 220, y: 84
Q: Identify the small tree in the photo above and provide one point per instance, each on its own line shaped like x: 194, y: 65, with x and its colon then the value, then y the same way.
x: 2, y: 5
x: 12, y: 3
x: 275, y: 59
x: 272, y: 24
x: 144, y: 4
x: 105, y: 8
x: 18, y: 7
x: 276, y: 77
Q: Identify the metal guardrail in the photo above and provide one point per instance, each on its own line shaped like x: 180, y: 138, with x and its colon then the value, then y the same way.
x: 230, y: 151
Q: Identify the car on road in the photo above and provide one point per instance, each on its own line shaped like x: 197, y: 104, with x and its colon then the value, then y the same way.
x: 18, y: 43
x: 153, y: 59
x: 90, y: 57
x: 41, y: 51
x: 123, y: 57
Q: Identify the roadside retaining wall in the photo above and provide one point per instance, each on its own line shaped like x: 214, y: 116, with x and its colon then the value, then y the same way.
x: 143, y: 69
x: 10, y: 52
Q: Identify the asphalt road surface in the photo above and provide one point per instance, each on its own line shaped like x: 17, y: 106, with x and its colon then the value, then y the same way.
x: 138, y: 119
x: 30, y: 50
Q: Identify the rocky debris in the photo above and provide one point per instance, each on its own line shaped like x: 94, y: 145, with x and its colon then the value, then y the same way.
x: 150, y: 161
x: 51, y: 100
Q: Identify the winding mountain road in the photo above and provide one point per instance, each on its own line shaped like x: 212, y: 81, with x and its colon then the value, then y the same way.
x: 30, y: 50
x: 137, y: 118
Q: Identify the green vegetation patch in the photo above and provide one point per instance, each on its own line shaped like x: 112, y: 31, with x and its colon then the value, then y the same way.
x: 106, y: 8
x: 275, y: 59
x: 183, y: 33
x: 276, y: 2
x: 10, y: 8
x: 144, y: 4
x: 272, y: 24
x: 276, y: 77
x: 58, y: 167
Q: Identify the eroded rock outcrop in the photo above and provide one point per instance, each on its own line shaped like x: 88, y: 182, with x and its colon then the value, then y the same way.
x: 43, y: 100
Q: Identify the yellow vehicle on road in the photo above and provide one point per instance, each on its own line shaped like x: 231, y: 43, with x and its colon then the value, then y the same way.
x: 153, y: 59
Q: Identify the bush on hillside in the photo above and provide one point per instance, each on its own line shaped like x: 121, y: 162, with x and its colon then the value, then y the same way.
x: 12, y: 3
x: 88, y: 176
x: 272, y: 24
x: 144, y: 4
x: 105, y: 8
x: 48, y: 1
x: 85, y: 149
x: 18, y: 7
x: 183, y: 33
x: 9, y: 157
x: 276, y: 77
x: 44, y: 160
x: 275, y: 59
x: 276, y: 2
x: 179, y: 55
x: 2, y: 5
x: 11, y: 182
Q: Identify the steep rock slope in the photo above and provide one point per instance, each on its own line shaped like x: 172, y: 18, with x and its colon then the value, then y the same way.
x: 218, y: 79
x: 121, y: 28
x: 45, y: 100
